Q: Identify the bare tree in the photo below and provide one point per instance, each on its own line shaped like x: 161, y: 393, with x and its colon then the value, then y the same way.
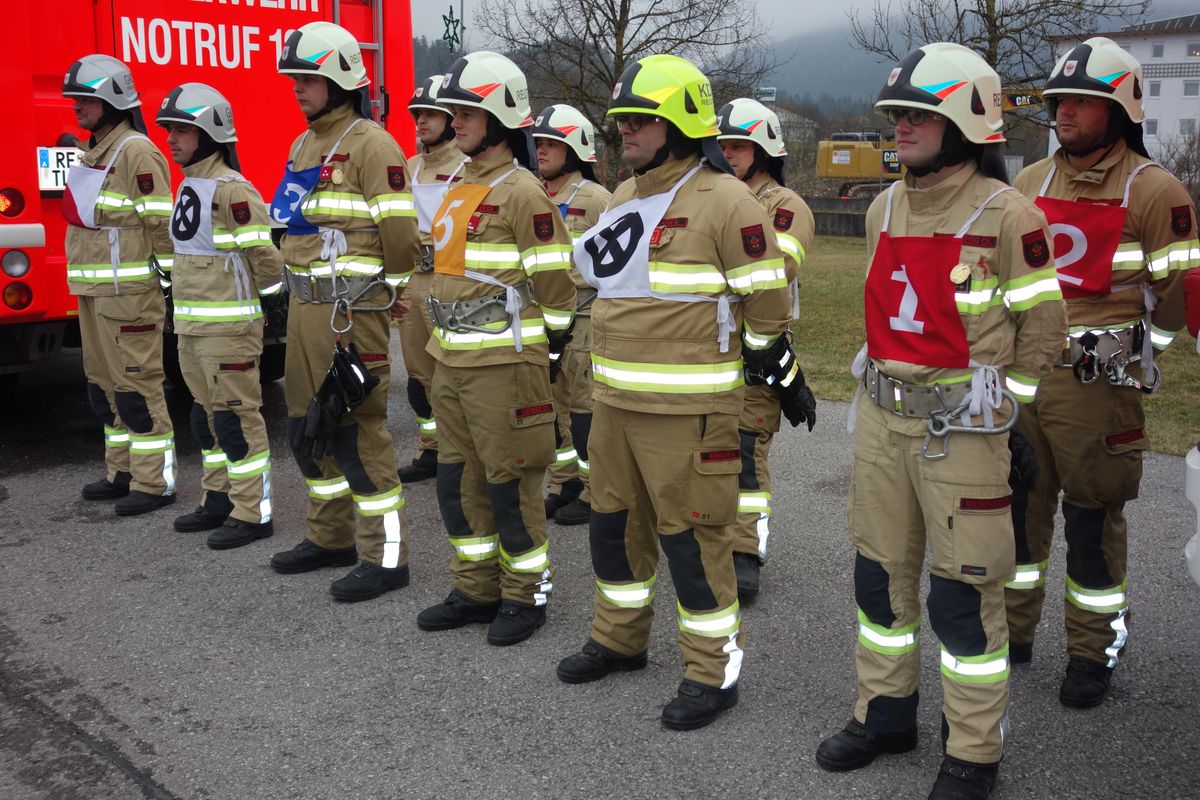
x: 1015, y: 36
x: 573, y: 51
x: 1181, y: 156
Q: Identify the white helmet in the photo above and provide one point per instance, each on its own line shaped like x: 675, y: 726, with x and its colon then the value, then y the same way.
x: 490, y: 81
x: 425, y: 96
x: 567, y: 124
x: 1101, y: 68
x: 102, y: 77
x: 200, y: 105
x: 751, y: 121
x: 953, y: 81
x: 322, y: 48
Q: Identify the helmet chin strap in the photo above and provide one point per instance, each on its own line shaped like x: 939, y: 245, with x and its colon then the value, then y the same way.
x: 955, y: 150
x: 496, y: 133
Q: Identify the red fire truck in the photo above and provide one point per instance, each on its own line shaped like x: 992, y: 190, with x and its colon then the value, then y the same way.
x: 232, y: 45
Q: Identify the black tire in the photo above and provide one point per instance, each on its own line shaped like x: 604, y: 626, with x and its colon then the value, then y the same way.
x: 270, y: 367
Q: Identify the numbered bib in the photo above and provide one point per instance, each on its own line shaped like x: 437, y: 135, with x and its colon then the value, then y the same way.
x: 449, y: 230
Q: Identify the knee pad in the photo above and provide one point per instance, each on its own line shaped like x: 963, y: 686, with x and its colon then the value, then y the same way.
x: 198, y: 420
x: 419, y: 399
x: 954, y: 615
x: 505, y: 499
x: 748, y: 477
x: 892, y: 714
x: 687, y: 570
x: 308, y: 467
x: 606, y: 539
x: 581, y: 429
x: 449, y: 495
x: 871, y: 591
x: 1020, y: 506
x: 345, y: 453
x: 134, y: 412
x: 229, y: 434
x: 1084, y: 530
x: 99, y: 403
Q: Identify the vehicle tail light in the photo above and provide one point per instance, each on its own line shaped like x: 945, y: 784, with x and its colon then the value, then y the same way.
x: 18, y: 296
x: 15, y: 263
x: 12, y: 202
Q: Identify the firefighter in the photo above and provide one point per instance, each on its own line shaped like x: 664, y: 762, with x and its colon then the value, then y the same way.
x: 752, y: 142
x: 566, y: 153
x: 1125, y: 234
x: 689, y: 283
x: 962, y: 316
x: 351, y: 240
x: 502, y: 302
x: 434, y: 169
x: 117, y: 205
x: 224, y: 262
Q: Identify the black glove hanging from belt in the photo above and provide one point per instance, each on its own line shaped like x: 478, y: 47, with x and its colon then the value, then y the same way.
x: 346, y: 385
x: 558, y: 344
x: 1023, y: 469
x: 777, y: 368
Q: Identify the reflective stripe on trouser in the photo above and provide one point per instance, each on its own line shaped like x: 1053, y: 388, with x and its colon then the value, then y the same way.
x: 352, y: 493
x: 899, y: 502
x: 1095, y: 461
x: 751, y: 530
x: 490, y: 473
x: 222, y: 374
x: 415, y: 331
x: 650, y: 488
x: 573, y: 397
x: 122, y: 355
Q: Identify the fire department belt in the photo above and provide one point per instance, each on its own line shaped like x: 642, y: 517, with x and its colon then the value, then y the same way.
x: 426, y: 262
x: 473, y: 315
x: 583, y: 301
x: 1108, y: 345
x: 321, y: 290
x: 912, y: 399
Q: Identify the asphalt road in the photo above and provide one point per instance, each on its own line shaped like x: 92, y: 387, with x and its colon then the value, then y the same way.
x: 136, y: 663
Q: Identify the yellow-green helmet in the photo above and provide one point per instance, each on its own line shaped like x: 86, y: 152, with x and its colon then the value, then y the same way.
x: 671, y: 88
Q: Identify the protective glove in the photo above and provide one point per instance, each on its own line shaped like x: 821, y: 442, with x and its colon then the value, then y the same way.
x: 314, y: 438
x: 1023, y: 472
x: 275, y: 311
x: 798, y: 403
x: 558, y: 343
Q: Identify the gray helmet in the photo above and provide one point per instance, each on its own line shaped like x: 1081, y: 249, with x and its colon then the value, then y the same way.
x: 200, y: 105
x: 103, y: 77
x: 203, y: 106
x: 108, y: 79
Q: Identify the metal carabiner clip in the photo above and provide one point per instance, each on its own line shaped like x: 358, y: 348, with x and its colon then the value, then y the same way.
x: 940, y: 426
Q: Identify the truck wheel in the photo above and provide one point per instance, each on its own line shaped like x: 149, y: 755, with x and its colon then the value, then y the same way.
x: 270, y: 366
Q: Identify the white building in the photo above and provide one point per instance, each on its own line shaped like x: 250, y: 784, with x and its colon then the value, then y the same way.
x: 1169, y: 52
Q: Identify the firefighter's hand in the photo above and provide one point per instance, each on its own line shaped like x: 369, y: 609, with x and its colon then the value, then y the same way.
x: 558, y: 344
x: 399, y: 309
x: 1023, y: 472
x: 798, y: 403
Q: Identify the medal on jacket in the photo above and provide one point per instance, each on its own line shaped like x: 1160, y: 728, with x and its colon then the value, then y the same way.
x: 960, y: 273
x: 338, y: 176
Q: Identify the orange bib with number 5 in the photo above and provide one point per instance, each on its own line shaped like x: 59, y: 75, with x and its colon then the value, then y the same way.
x: 450, y: 223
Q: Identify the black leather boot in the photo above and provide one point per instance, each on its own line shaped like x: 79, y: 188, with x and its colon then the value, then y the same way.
x: 367, y: 581
x: 104, y: 489
x: 422, y: 468
x: 135, y: 503
x: 456, y: 611
x: 515, y: 622
x: 595, y: 661
x: 963, y: 780
x: 1086, y: 683
x: 306, y: 556
x: 854, y: 746
x: 212, y: 514
x: 697, y: 705
x: 236, y: 533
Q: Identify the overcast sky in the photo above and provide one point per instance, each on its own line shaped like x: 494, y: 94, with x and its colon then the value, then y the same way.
x: 780, y: 16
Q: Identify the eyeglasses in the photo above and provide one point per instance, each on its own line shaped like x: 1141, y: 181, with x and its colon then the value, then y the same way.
x: 916, y: 116
x: 635, y: 122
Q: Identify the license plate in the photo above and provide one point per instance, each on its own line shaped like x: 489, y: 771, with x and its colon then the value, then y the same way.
x: 53, y: 163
